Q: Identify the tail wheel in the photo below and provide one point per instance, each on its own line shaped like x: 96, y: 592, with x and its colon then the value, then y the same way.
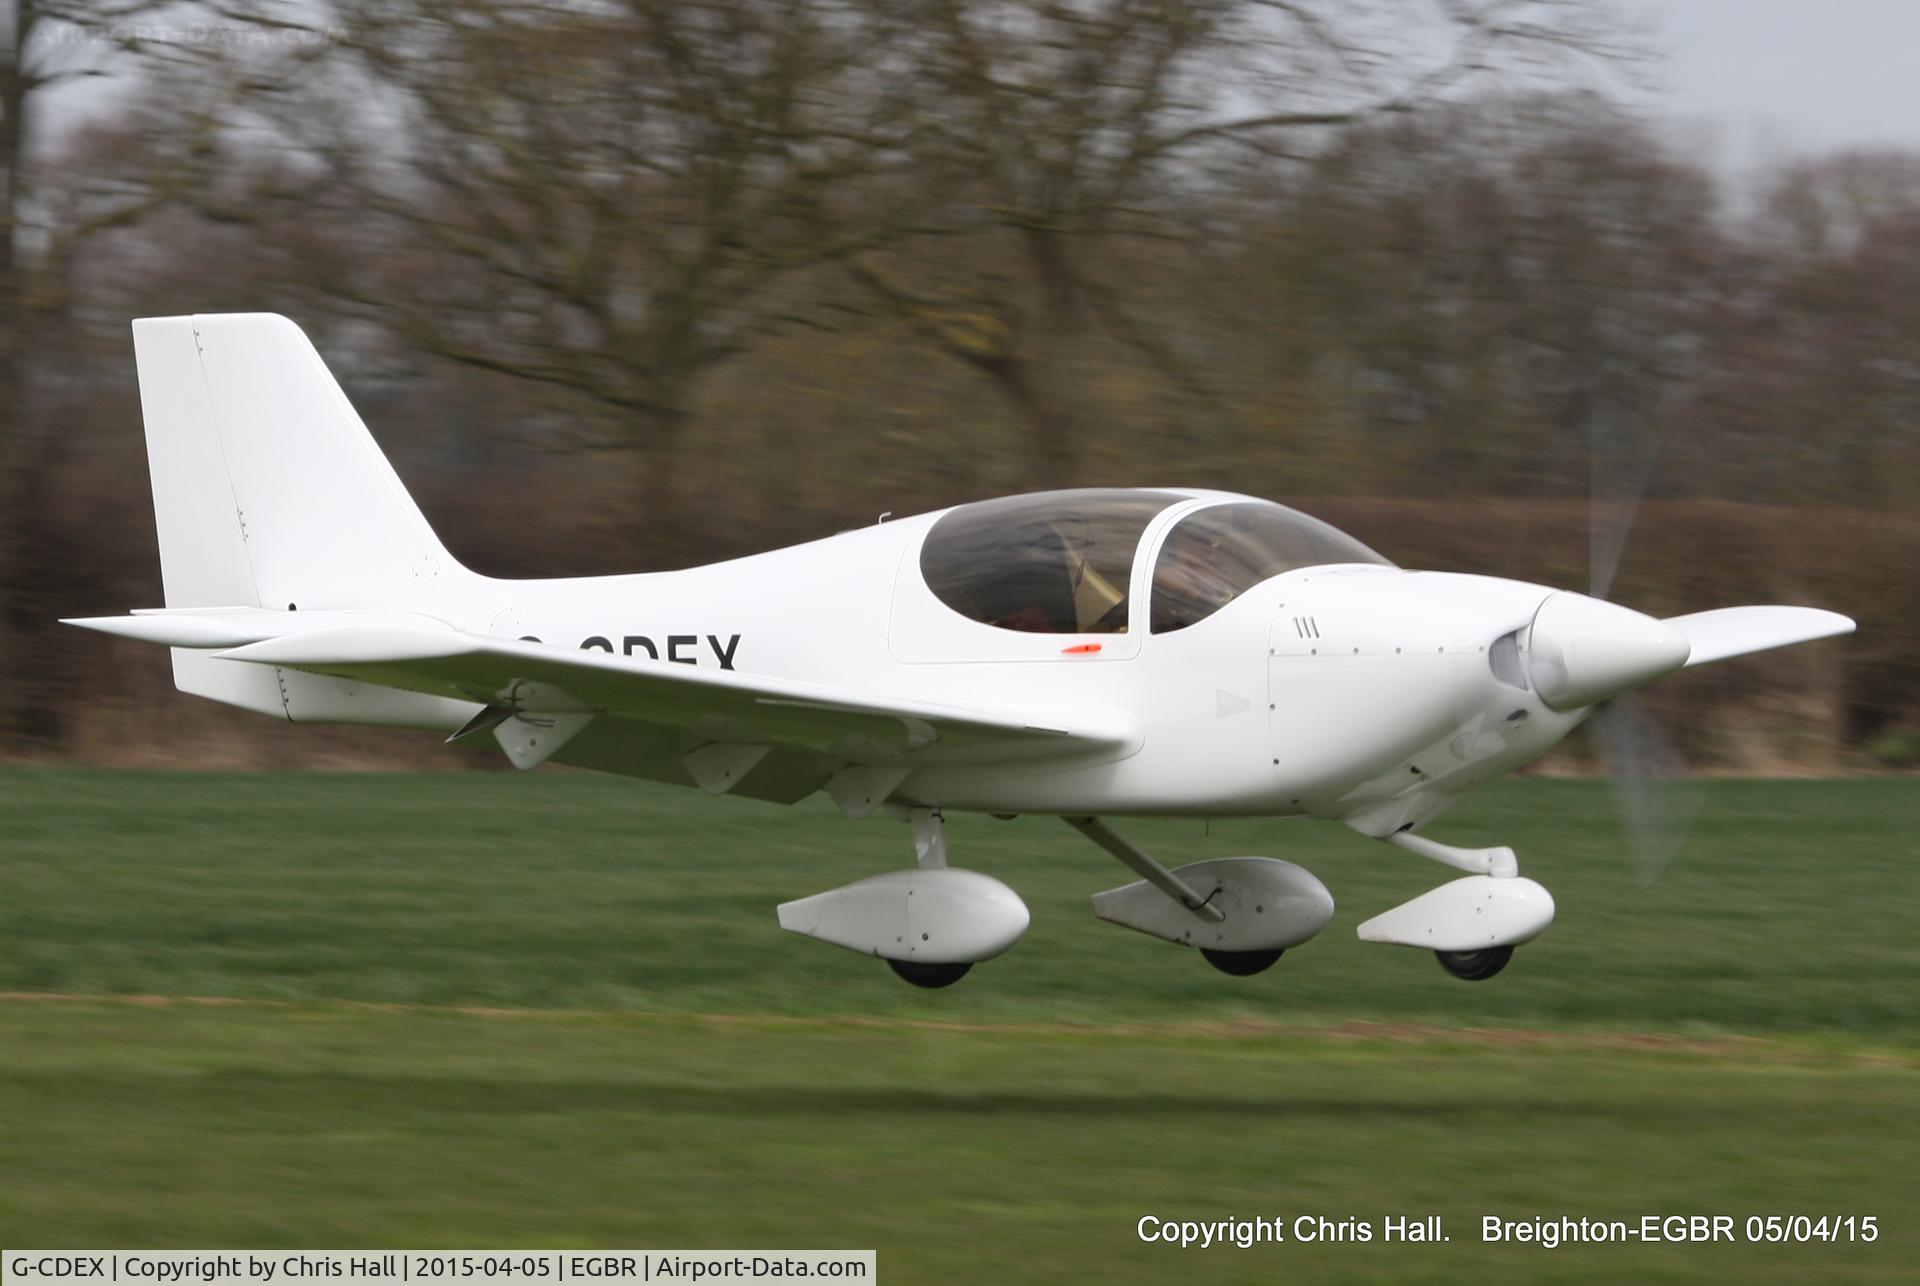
x: 1475, y: 966
x: 922, y: 974
x: 1242, y: 964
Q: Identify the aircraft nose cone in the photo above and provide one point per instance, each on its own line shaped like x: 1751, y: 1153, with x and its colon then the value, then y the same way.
x: 1584, y: 650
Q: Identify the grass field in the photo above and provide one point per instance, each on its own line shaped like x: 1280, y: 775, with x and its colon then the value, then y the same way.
x: 555, y: 1010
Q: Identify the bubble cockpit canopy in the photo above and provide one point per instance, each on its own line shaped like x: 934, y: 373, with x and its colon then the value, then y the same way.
x: 1216, y: 554
x: 1056, y: 562
x: 1061, y: 562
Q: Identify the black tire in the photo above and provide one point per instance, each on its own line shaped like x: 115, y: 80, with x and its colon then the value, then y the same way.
x: 1474, y: 966
x: 923, y: 974
x: 1242, y: 964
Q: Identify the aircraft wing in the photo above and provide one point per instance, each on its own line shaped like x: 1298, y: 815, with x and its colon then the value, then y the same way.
x: 637, y: 715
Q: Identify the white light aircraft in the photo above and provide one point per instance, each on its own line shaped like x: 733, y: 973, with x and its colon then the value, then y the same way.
x: 1084, y: 654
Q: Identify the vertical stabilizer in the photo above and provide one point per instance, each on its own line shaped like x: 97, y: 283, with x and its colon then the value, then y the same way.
x: 268, y: 491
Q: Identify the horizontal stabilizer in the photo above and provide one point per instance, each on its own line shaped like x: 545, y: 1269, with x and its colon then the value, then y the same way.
x: 178, y: 629
x: 239, y: 627
x: 1736, y: 631
x: 335, y: 648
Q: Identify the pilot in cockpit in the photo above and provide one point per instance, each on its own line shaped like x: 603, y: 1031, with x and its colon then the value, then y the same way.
x: 1189, y: 584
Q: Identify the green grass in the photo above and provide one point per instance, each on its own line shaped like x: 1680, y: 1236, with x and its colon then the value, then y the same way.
x: 963, y: 1155
x: 1742, y: 1037
x: 1795, y: 908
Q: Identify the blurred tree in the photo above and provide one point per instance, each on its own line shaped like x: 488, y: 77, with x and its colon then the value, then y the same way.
x: 601, y: 197
x: 945, y: 247
x: 1831, y: 204
x: 1065, y: 126
x: 1824, y: 370
x: 1492, y: 287
x: 50, y: 210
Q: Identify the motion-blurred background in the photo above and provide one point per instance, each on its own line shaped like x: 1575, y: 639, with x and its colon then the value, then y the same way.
x: 635, y: 284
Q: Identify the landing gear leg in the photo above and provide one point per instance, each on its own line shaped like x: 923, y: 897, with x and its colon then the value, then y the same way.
x: 930, y: 924
x: 1242, y: 913
x: 1141, y: 863
x: 930, y: 850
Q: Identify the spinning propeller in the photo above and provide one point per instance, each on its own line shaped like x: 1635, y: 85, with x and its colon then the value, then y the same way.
x: 1645, y: 771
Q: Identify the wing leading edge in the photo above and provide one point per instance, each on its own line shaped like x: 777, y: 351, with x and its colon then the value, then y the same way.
x: 639, y: 716
x: 541, y: 679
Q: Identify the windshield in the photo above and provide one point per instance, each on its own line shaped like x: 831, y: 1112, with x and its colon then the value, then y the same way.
x: 1057, y: 562
x: 1221, y: 552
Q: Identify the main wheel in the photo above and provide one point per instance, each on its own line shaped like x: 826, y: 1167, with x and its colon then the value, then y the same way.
x: 1242, y: 964
x: 1475, y: 966
x: 923, y: 974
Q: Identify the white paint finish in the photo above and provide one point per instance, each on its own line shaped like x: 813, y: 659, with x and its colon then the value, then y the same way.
x: 1466, y: 915
x: 1499, y: 862
x: 313, y: 698
x: 1386, y: 694
x: 235, y: 627
x: 203, y: 557
x: 431, y: 659
x: 299, y: 461
x: 1738, y: 631
x: 173, y: 630
x: 1584, y: 650
x: 342, y: 647
x: 940, y: 916
x: 1381, y: 699
x: 1387, y: 706
x: 1264, y: 903
x: 1136, y: 859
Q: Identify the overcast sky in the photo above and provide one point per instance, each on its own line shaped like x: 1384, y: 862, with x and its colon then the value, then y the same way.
x: 1768, y: 76
x: 1749, y: 80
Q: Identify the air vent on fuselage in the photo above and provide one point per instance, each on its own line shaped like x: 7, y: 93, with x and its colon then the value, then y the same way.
x: 1503, y: 657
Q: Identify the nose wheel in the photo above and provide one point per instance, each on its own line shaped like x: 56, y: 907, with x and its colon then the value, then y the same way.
x: 1475, y: 966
